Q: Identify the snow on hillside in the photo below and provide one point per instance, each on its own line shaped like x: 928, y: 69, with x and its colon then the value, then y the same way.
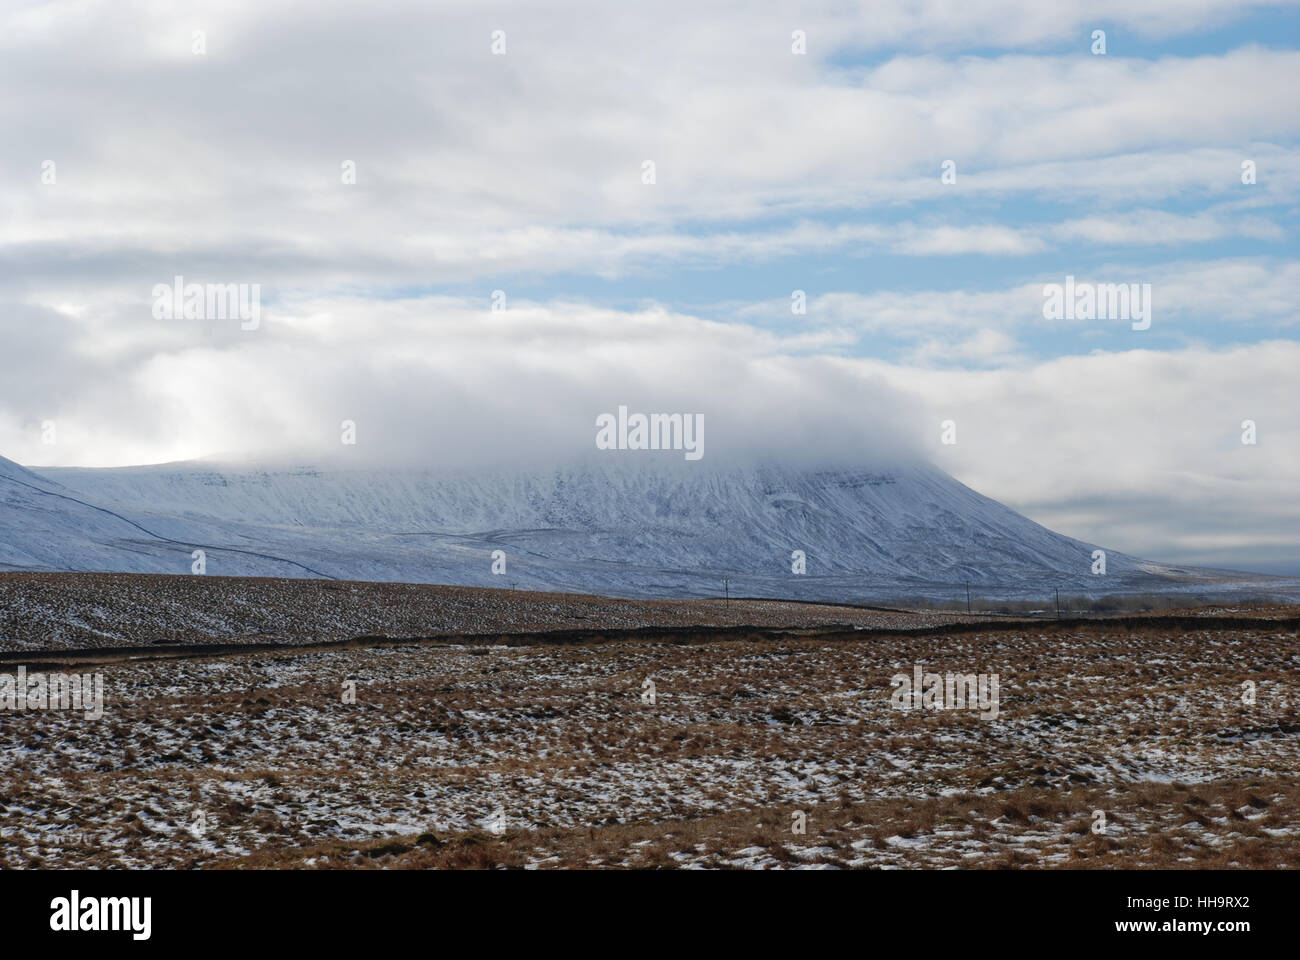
x: 909, y: 530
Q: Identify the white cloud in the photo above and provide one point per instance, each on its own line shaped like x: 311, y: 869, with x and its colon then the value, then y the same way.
x: 483, y: 159
x: 436, y: 379
x: 1185, y: 293
x: 983, y: 348
x: 1127, y: 448
x: 1119, y: 448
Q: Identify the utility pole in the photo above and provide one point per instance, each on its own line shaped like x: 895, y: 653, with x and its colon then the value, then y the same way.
x: 968, y: 599
x: 726, y: 585
x: 1058, y: 603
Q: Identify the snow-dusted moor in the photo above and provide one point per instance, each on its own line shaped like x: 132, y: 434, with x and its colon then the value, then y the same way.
x: 1116, y: 744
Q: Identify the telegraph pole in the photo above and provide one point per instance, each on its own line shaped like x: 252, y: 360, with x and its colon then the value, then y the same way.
x: 1058, y: 603
x: 726, y: 585
x: 968, y: 599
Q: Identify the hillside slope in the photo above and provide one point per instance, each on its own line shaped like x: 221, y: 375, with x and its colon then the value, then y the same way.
x: 599, y: 528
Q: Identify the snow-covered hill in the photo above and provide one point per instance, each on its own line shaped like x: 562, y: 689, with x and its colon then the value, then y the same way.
x: 905, y: 531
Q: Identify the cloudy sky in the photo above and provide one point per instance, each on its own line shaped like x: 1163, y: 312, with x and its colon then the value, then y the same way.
x: 135, y: 150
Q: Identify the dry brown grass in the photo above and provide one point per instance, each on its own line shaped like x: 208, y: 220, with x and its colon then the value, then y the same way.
x: 1144, y: 723
x: 1067, y: 839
